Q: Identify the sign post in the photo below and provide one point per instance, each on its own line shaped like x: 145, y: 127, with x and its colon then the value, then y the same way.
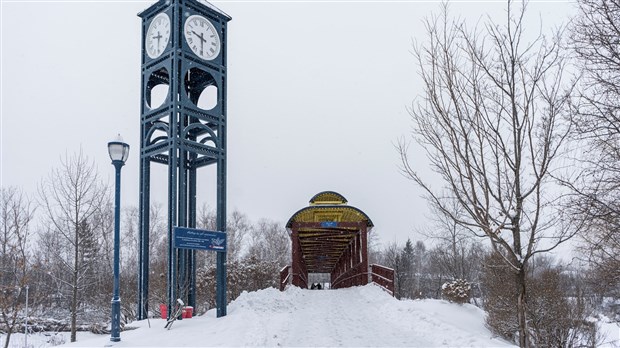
x: 195, y: 239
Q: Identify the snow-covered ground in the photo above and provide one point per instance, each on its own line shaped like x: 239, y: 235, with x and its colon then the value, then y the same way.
x: 360, y: 317
x: 43, y: 339
x: 355, y: 317
x: 609, y: 334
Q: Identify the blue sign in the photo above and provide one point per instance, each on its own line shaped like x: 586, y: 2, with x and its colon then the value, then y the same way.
x: 329, y: 224
x: 191, y: 238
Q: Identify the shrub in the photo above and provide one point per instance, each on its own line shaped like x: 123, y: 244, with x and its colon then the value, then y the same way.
x: 458, y: 291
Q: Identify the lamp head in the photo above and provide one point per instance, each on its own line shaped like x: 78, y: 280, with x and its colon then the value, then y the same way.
x: 118, y: 150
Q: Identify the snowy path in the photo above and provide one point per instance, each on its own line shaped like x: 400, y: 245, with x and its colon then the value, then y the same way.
x: 356, y: 317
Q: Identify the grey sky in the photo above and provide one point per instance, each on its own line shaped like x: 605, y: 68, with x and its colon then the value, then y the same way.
x: 317, y: 96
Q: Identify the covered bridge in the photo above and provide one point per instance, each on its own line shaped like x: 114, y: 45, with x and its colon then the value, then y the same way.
x: 330, y: 236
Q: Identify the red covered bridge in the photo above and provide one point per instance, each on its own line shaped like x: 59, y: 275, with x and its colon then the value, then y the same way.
x: 331, y: 237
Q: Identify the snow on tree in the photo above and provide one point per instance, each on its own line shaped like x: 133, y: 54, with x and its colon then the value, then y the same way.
x: 458, y: 291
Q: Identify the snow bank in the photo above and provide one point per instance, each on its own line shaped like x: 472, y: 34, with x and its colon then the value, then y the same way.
x: 360, y: 317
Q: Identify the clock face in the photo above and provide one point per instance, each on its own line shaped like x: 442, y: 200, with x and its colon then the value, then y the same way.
x: 158, y: 35
x: 202, y: 37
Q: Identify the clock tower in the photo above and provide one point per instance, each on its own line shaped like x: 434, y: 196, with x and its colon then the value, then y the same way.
x: 182, y: 127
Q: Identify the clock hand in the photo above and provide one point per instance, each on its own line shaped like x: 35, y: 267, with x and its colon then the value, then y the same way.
x: 199, y: 35
x: 202, y: 41
x: 158, y: 37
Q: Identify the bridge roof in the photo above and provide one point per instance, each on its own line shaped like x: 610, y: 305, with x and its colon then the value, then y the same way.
x: 329, y: 206
x: 325, y: 229
x: 328, y: 197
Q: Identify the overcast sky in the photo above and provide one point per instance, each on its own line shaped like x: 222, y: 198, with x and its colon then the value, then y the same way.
x: 317, y: 98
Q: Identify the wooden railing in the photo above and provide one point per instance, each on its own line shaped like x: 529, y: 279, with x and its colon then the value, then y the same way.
x: 302, y: 279
x: 353, y: 277
x: 285, y: 276
x: 384, y: 277
x: 380, y: 275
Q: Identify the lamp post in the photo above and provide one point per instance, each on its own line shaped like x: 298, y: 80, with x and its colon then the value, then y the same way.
x: 119, y: 151
x: 26, y: 321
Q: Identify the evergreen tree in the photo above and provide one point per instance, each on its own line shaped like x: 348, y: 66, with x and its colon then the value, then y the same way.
x: 408, y: 268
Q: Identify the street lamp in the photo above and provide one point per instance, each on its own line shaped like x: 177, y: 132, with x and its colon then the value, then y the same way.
x: 119, y: 151
x: 26, y: 321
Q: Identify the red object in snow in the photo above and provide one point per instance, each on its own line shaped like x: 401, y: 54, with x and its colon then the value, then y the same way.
x: 163, y: 309
x: 188, y: 312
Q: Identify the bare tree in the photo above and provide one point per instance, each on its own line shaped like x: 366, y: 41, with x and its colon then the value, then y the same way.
x: 70, y: 196
x: 128, y: 257
x: 559, y: 315
x: 103, y: 223
x: 268, y: 249
x: 392, y: 257
x: 595, y: 187
x: 206, y: 218
x: 374, y: 247
x: 238, y: 227
x: 490, y: 121
x: 457, y: 252
x: 16, y: 213
x: 158, y: 254
x: 270, y: 241
x: 50, y: 246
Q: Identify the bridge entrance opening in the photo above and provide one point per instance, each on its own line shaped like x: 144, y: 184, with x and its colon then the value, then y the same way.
x: 319, y: 281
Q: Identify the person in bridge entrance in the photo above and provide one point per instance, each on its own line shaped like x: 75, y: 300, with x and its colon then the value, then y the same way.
x: 316, y: 286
